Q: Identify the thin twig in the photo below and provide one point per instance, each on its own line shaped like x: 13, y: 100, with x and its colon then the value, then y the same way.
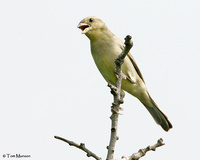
x: 80, y: 146
x: 142, y: 152
x: 116, y: 90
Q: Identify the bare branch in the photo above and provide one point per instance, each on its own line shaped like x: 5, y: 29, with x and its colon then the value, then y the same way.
x: 116, y: 90
x: 80, y: 146
x: 128, y: 45
x: 143, y: 151
x: 118, y: 99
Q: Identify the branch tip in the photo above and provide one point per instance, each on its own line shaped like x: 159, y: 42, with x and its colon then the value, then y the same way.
x: 142, y: 152
x: 80, y: 146
x: 128, y: 41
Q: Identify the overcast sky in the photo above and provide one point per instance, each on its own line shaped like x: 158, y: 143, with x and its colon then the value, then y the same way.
x: 49, y: 84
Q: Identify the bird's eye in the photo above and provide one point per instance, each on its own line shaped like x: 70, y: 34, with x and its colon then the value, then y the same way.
x: 91, y: 19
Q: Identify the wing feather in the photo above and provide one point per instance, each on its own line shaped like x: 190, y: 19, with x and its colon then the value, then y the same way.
x: 134, y: 64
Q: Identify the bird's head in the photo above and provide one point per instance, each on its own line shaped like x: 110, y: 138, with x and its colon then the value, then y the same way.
x: 93, y: 27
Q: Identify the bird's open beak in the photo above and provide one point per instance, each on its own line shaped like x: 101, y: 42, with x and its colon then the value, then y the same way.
x: 84, y: 27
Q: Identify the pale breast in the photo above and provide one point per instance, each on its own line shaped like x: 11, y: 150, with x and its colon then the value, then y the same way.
x: 104, y: 55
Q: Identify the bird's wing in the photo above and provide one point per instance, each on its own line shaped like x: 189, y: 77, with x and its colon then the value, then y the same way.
x: 134, y: 65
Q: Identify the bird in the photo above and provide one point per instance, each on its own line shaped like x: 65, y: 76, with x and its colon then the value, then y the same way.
x: 105, y: 48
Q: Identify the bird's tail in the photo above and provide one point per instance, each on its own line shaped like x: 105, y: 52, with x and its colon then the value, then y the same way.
x: 158, y: 115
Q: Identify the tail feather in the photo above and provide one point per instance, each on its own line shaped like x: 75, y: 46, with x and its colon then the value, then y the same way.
x: 159, y: 116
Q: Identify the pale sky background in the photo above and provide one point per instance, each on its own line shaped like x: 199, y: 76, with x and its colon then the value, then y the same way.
x: 49, y: 84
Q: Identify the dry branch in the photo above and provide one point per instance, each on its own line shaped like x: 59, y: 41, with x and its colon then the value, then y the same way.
x: 142, y: 152
x: 116, y: 90
x: 80, y: 146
